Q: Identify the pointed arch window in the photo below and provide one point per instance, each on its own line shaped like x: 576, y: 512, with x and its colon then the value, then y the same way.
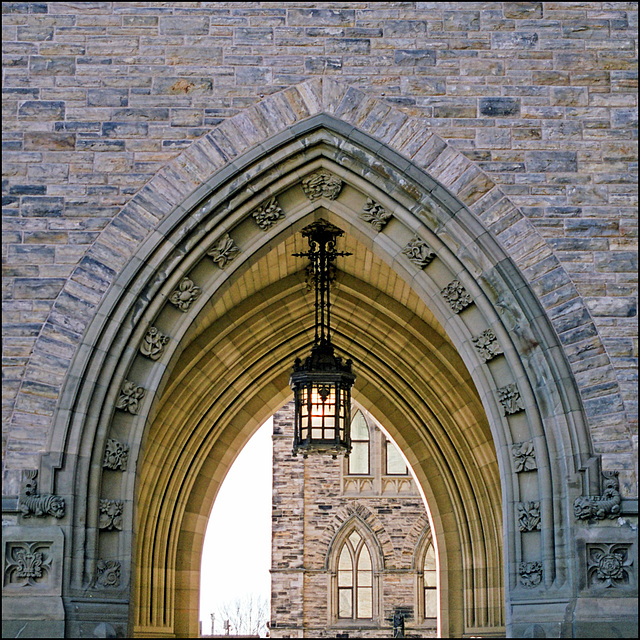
x: 355, y: 579
x: 360, y: 442
x: 430, y: 583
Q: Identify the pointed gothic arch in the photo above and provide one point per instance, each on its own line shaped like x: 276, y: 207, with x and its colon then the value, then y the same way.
x: 224, y: 368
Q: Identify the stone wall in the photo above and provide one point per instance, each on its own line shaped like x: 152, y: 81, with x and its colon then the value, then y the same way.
x: 99, y: 96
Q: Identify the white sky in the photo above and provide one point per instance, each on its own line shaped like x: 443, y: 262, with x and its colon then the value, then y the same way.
x: 237, y: 549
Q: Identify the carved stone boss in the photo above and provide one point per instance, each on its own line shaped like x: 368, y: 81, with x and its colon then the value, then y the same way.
x: 524, y: 456
x: 116, y: 455
x: 375, y: 214
x: 457, y: 296
x: 185, y: 295
x: 530, y: 574
x: 419, y: 252
x: 130, y: 397
x: 529, y: 516
x: 609, y: 565
x: 322, y: 184
x: 224, y: 251
x: 600, y: 507
x: 153, y: 343
x: 487, y: 345
x: 266, y: 215
x: 38, y: 505
x: 510, y: 399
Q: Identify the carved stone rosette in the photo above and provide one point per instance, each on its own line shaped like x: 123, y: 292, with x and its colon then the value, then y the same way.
x: 130, y: 397
x: 530, y: 574
x: 600, y: 507
x: 153, y: 343
x: 510, y: 399
x: 375, y: 214
x: 111, y: 515
x: 419, y: 252
x: 529, y: 516
x: 609, y: 565
x: 487, y: 345
x: 457, y: 296
x: 224, y: 251
x: 266, y: 215
x: 116, y: 455
x: 27, y: 563
x: 322, y: 184
x: 185, y: 295
x: 107, y: 574
x: 524, y: 456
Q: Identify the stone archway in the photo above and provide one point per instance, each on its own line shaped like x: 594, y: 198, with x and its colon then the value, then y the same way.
x: 458, y: 418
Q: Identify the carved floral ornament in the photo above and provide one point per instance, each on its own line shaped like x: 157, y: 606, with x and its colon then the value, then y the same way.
x: 130, y: 397
x: 457, y: 296
x: 510, y: 399
x: 524, y: 456
x: 529, y: 516
x: 375, y: 214
x: 267, y: 214
x: 419, y: 252
x: 107, y: 574
x: 600, y: 507
x: 153, y: 343
x: 185, y: 295
x: 322, y: 184
x: 609, y: 565
x: 224, y: 251
x: 111, y: 514
x: 27, y: 563
x: 530, y: 574
x: 487, y: 345
x: 116, y: 455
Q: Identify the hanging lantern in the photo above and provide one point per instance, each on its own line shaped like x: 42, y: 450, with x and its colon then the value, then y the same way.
x: 322, y: 383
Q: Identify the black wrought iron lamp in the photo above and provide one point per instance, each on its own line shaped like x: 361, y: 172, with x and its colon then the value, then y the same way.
x: 322, y: 383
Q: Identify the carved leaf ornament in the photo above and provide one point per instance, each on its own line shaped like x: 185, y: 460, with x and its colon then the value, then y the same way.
x: 268, y: 214
x: 185, y: 295
x: 419, y: 252
x: 26, y: 563
x: 130, y: 397
x: 153, y: 343
x: 375, y: 214
x: 224, y: 251
x: 457, y: 296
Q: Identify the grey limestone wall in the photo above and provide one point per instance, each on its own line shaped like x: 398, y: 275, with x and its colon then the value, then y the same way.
x: 99, y: 96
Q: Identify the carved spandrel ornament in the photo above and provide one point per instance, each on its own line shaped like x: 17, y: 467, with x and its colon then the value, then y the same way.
x: 116, y: 455
x: 600, y: 507
x: 456, y: 296
x: 107, y: 574
x: 111, y: 515
x: 224, y: 251
x: 185, y: 295
x: 529, y: 516
x: 419, y: 252
x: 524, y: 456
x: 130, y: 397
x: 510, y: 398
x: 487, y: 345
x: 375, y: 214
x: 153, y: 343
x: 609, y: 565
x: 267, y: 214
x: 530, y: 574
x: 33, y: 504
x: 322, y: 184
x: 27, y: 564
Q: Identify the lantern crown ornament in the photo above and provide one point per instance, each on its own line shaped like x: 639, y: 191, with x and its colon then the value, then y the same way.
x: 322, y: 383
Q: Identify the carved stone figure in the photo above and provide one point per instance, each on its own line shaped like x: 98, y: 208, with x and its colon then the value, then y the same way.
x: 224, y: 251
x: 510, y: 399
x: 111, y: 514
x: 185, y: 295
x: 107, y: 573
x: 419, y: 252
x: 600, y: 507
x: 529, y: 516
x: 608, y: 565
x: 153, y: 343
x: 130, y: 397
x: 530, y: 574
x: 457, y: 296
x: 31, y: 503
x: 266, y: 215
x: 487, y: 345
x: 116, y: 455
x: 375, y: 214
x: 26, y: 563
x: 322, y: 184
x: 524, y: 457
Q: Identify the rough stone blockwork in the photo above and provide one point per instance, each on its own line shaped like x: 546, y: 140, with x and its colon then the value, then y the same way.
x: 99, y: 96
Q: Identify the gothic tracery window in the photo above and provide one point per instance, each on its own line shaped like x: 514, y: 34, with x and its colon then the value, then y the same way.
x: 355, y: 579
x: 430, y: 583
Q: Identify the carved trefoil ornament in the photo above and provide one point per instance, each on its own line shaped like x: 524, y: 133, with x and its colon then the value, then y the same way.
x: 224, y: 251
x: 524, y: 456
x: 600, y: 507
x: 375, y: 214
x: 457, y: 296
x: 510, y: 398
x: 609, y: 565
x: 153, y: 343
x: 529, y: 515
x: 116, y: 455
x: 419, y: 252
x: 111, y: 515
x: 27, y: 563
x: 130, y: 397
x: 185, y: 295
x: 107, y: 574
x: 33, y: 504
x: 322, y: 184
x: 487, y: 345
x: 530, y: 574
x: 267, y: 214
